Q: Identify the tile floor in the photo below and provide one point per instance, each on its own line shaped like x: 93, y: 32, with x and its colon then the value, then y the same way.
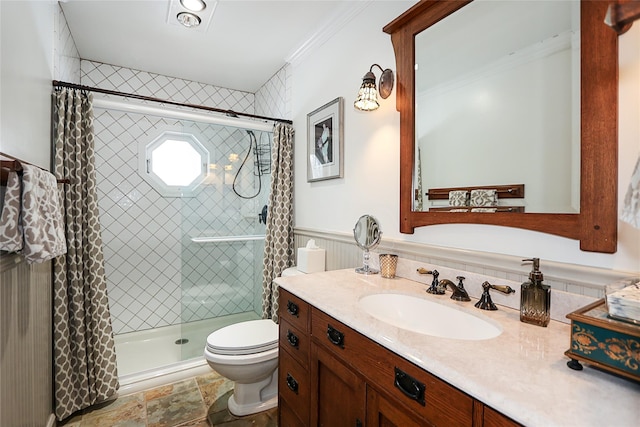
x: 195, y: 402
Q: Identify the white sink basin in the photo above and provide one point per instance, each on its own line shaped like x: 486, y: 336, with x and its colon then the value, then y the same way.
x: 428, y: 317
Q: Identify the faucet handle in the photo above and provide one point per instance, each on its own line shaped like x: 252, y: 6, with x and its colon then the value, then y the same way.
x: 435, y: 288
x: 485, y: 302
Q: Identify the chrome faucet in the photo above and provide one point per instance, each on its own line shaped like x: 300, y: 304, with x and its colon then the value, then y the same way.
x: 459, y: 292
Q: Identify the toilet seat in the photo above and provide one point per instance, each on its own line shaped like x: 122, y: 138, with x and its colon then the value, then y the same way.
x: 250, y: 337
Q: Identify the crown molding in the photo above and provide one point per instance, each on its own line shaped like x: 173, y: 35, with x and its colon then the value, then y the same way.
x: 341, y: 16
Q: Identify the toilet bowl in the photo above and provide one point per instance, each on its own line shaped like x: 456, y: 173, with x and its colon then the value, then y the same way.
x: 247, y: 353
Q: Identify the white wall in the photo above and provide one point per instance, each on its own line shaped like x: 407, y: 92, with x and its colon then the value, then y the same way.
x: 371, y: 156
x: 26, y: 72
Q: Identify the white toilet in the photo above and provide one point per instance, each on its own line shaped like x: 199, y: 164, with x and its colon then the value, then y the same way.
x: 247, y: 353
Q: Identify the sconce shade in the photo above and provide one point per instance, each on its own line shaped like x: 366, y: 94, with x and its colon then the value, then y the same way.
x: 367, y: 99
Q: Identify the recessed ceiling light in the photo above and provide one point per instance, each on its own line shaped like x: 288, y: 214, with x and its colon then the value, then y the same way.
x: 193, y: 5
x: 188, y: 19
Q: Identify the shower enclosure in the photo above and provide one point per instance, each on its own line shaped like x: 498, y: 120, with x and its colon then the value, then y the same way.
x: 181, y: 210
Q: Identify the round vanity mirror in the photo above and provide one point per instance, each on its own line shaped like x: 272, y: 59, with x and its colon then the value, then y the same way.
x: 367, y: 235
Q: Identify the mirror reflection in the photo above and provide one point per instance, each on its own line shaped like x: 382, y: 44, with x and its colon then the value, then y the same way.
x: 500, y: 108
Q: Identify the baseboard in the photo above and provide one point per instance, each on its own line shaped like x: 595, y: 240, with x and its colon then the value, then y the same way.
x: 51, y: 422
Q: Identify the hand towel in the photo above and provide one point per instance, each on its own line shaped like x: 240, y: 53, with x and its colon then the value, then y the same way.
x: 10, y: 222
x: 483, y: 198
x: 44, y: 236
x: 489, y: 210
x: 458, y: 198
x: 631, y: 208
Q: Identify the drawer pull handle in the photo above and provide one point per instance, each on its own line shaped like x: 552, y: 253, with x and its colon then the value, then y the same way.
x: 335, y: 336
x: 292, y: 339
x: 292, y: 308
x: 292, y: 383
x: 409, y: 386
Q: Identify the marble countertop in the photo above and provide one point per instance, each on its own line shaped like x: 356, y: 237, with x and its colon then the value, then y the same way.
x: 521, y: 373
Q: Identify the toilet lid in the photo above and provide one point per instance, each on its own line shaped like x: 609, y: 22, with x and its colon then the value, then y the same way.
x: 253, y: 336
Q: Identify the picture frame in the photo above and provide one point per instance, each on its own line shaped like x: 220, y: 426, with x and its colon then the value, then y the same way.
x: 325, y: 146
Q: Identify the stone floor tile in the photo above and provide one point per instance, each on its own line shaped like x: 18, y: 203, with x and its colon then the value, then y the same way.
x: 166, y: 390
x: 213, y: 389
x: 130, y: 405
x: 219, y: 416
x: 197, y: 423
x: 125, y: 416
x: 175, y: 409
x: 207, y: 378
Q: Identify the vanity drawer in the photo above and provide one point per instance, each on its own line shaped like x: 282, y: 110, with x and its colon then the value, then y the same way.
x: 294, y: 342
x: 336, y: 337
x: 293, y: 310
x: 293, y: 387
x: 392, y: 375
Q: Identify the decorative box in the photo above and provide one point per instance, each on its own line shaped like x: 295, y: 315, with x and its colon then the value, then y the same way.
x: 606, y: 343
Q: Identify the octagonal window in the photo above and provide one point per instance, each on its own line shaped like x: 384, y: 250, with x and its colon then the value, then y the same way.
x: 176, y: 163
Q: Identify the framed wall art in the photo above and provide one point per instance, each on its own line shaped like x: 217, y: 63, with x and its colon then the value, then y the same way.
x: 324, y: 141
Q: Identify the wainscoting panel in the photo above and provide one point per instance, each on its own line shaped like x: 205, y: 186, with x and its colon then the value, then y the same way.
x: 342, y: 252
x: 26, y: 388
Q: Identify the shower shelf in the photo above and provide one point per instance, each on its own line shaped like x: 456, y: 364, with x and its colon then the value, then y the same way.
x: 220, y: 239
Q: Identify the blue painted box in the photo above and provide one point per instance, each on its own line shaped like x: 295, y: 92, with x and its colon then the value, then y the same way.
x: 609, y: 344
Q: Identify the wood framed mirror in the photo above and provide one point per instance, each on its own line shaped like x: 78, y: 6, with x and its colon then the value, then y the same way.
x: 595, y: 226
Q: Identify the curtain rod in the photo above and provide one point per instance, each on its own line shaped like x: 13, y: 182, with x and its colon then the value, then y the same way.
x: 163, y: 101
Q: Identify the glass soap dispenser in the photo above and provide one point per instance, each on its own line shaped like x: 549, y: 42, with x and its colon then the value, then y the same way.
x: 535, y: 298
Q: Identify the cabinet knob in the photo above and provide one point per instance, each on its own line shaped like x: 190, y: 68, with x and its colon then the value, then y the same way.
x: 292, y: 383
x: 335, y: 336
x: 292, y: 339
x: 292, y: 308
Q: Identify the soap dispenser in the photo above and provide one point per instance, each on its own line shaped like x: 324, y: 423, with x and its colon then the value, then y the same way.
x: 535, y: 298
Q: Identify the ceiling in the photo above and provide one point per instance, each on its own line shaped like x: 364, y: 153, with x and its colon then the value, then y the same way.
x: 242, y: 47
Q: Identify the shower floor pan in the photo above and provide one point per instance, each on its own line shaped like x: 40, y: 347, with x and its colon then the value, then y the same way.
x: 166, y: 350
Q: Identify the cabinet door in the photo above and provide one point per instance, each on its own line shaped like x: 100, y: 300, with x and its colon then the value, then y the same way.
x: 384, y: 412
x: 338, y: 395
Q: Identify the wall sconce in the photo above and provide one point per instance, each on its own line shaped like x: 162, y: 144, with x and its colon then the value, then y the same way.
x: 367, y: 99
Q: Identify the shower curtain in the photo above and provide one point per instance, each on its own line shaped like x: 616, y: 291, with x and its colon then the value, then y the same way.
x: 278, y: 241
x: 84, y: 351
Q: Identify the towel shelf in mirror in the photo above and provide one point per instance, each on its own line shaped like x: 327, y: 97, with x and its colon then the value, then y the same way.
x: 503, y: 191
x: 595, y: 226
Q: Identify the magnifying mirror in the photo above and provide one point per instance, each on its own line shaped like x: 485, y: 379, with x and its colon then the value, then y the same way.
x: 367, y: 235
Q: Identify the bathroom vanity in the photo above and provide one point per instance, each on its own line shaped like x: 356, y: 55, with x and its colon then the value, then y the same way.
x: 339, y: 365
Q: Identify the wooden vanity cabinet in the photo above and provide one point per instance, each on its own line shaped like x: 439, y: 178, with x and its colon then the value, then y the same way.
x: 293, y: 360
x: 349, y: 380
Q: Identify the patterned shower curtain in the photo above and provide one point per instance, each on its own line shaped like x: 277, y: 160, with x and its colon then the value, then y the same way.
x: 278, y: 241
x: 84, y: 351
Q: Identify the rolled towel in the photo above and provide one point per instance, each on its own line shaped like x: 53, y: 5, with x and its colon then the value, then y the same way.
x: 44, y: 235
x: 489, y: 210
x: 458, y: 198
x: 631, y: 209
x: 482, y: 197
x: 10, y: 221
x: 458, y: 210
